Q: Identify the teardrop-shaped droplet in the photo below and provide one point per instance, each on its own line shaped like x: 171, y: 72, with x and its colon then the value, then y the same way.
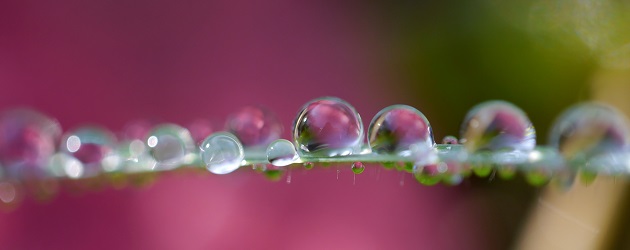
x: 27, y: 140
x: 91, y: 145
x: 254, y: 126
x: 358, y: 167
x: 281, y: 153
x: 222, y: 153
x: 395, y: 128
x: 171, y: 146
x: 497, y: 125
x: 328, y: 127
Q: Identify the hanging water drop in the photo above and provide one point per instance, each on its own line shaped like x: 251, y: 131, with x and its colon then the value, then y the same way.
x: 396, y: 128
x: 497, y: 125
x: 281, y: 153
x: 358, y: 167
x: 171, y: 146
x: 309, y: 165
x: 327, y: 127
x: 222, y: 153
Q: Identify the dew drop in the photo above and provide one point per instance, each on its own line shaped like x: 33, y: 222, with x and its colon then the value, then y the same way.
x: 254, y: 126
x: 450, y: 140
x: 274, y: 173
x: 396, y: 128
x: 281, y: 153
x: 589, y: 129
x: 328, y: 127
x: 358, y: 167
x: 497, y: 125
x: 171, y: 146
x: 27, y: 140
x: 93, y: 147
x: 309, y: 165
x: 429, y: 175
x: 222, y: 153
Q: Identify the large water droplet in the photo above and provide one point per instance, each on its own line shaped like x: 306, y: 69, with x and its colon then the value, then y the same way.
x: 171, y: 146
x: 328, y: 127
x: 395, y: 128
x: 222, y: 153
x: 497, y: 125
x: 589, y: 129
x: 90, y: 145
x: 592, y: 137
x: 27, y: 140
x: 281, y: 153
x: 254, y: 126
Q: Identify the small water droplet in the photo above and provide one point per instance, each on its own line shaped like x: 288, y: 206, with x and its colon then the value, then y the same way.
x: 91, y: 145
x: 482, y: 170
x: 328, y: 127
x: 222, y: 153
x: 449, y: 139
x: 309, y: 165
x: 395, y: 128
x: 497, y: 125
x: 358, y: 167
x: 254, y: 126
x: 170, y: 145
x: 281, y: 153
x: 338, y: 173
x: 537, y: 177
x: 506, y: 172
x: 273, y: 173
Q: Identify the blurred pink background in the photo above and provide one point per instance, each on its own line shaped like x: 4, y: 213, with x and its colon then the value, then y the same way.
x: 109, y: 62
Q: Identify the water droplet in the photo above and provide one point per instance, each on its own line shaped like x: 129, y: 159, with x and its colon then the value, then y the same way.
x: 497, y: 125
x: 27, y: 140
x: 222, y: 153
x: 273, y: 173
x: 328, y: 127
x: 429, y: 175
x: 449, y: 139
x: 358, y: 167
x: 309, y: 165
x: 482, y: 170
x: 395, y: 128
x: 589, y: 129
x: 63, y: 165
x: 171, y: 146
x: 90, y: 145
x: 10, y: 194
x: 537, y: 178
x: 254, y: 126
x: 506, y: 172
x: 281, y: 153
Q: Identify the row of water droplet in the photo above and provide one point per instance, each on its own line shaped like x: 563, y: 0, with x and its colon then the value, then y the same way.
x: 591, y: 138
